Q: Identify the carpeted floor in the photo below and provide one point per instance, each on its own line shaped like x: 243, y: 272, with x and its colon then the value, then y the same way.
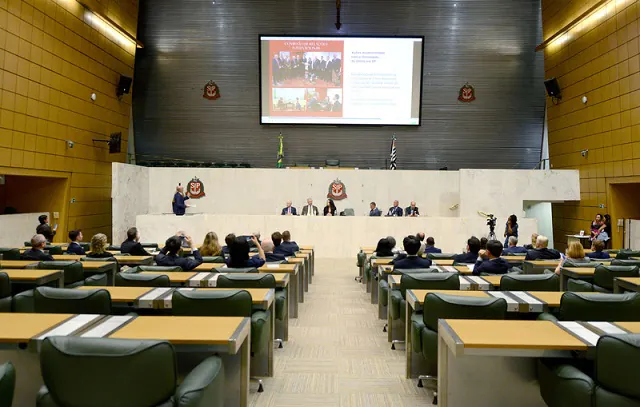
x: 337, y: 354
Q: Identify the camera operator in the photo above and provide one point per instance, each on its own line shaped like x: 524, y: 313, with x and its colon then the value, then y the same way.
x: 511, y: 229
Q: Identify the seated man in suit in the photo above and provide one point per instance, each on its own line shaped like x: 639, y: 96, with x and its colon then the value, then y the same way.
x: 598, y: 252
x: 38, y: 242
x: 287, y: 247
x: 412, y: 260
x: 310, y: 209
x: 44, y: 229
x: 430, y: 246
x: 471, y: 256
x: 289, y: 210
x: 513, y: 247
x: 168, y: 256
x: 132, y: 244
x: 412, y: 210
x: 534, y: 237
x: 374, y: 210
x: 395, y: 210
x: 491, y: 262
x: 541, y: 252
x: 270, y: 256
x: 74, y: 247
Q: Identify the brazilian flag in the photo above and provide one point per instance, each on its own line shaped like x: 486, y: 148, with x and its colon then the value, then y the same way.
x: 280, y: 163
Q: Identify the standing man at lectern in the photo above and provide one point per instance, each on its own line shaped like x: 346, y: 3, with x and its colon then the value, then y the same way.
x: 310, y: 209
x: 289, y: 210
x: 179, y: 199
x: 395, y: 210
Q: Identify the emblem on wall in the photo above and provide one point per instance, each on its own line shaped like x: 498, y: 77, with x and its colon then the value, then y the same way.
x: 467, y: 93
x: 211, y: 91
x: 337, y: 190
x: 195, y: 187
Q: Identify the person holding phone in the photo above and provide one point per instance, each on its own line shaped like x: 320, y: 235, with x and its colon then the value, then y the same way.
x: 510, y: 229
x: 179, y: 201
x: 575, y: 254
x: 44, y: 229
x: 168, y: 256
x: 239, y: 253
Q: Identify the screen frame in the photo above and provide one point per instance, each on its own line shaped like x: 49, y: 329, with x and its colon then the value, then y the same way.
x: 421, y: 37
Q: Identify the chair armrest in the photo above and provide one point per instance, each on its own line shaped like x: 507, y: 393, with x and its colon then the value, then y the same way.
x: 204, y: 386
x: 545, y: 316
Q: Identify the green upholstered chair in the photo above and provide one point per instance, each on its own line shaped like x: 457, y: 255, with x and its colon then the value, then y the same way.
x: 602, y: 278
x: 625, y: 262
x: 53, y: 250
x: 124, y: 373
x: 613, y: 383
x: 9, y: 253
x: 576, y: 263
x: 383, y: 284
x: 441, y: 256
x: 360, y: 260
x: 165, y: 269
x: 111, y: 259
x: 5, y: 293
x: 530, y: 282
x: 627, y: 254
x: 370, y: 274
x: 236, y: 270
x: 96, y: 280
x: 142, y: 280
x: 115, y: 248
x: 23, y: 302
x: 596, y: 307
x: 7, y: 384
x: 212, y: 259
x: 73, y: 271
x: 445, y: 306
x: 531, y: 268
x: 422, y: 281
x: 149, y: 245
x: 65, y: 301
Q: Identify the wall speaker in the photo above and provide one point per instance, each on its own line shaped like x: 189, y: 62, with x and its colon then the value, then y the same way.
x: 553, y: 89
x: 124, y: 85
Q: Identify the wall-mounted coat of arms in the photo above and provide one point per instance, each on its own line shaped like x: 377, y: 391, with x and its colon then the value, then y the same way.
x: 337, y: 190
x: 195, y: 187
x: 467, y: 93
x: 211, y: 91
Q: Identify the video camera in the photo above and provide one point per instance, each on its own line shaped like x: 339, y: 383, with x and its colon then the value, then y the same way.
x: 491, y: 220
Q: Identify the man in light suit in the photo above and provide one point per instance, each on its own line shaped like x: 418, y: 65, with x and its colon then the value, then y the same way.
x: 289, y: 210
x: 374, y: 210
x: 412, y: 210
x: 395, y: 210
x: 310, y: 209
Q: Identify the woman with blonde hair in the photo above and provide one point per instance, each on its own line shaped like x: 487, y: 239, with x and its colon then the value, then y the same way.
x: 574, y: 254
x: 99, y: 247
x: 211, y: 246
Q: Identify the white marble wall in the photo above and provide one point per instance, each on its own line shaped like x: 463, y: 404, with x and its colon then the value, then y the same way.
x: 129, y: 197
x: 339, y: 236
x: 19, y: 228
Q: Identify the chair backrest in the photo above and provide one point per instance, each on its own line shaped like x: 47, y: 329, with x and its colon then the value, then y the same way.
x: 142, y: 280
x: 530, y: 282
x: 103, y: 372
x: 434, y: 281
x: 220, y: 303
x: 113, y: 259
x: 617, y: 358
x: 156, y: 268
x: 599, y: 307
x: 332, y: 162
x: 70, y: 301
x: 53, y: 249
x: 625, y: 262
x: 7, y: 384
x: 212, y: 259
x: 5, y: 285
x: 604, y: 275
x: 574, y: 263
x: 113, y: 247
x: 73, y: 271
x: 246, y: 281
x: 149, y: 245
x: 23, y: 302
x: 457, y: 307
x: 362, y: 256
x: 98, y: 279
x: 236, y: 270
x: 349, y: 212
x: 441, y: 256
x: 10, y: 253
x: 627, y: 254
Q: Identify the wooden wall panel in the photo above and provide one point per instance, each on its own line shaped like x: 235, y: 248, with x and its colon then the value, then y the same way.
x: 53, y: 55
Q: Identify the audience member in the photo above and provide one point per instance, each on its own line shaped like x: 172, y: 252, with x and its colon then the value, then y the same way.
x: 574, y: 254
x: 210, y: 246
x: 412, y: 210
x: 168, y: 256
x: 74, y: 248
x: 132, y: 244
x: 384, y: 248
x: 483, y: 243
x: 420, y: 236
x: 228, y: 240
x: 598, y: 252
x: 276, y: 238
x: 374, y: 210
x: 287, y: 247
x: 239, y: 254
x: 44, y: 229
x: 269, y: 255
x: 510, y: 229
x: 411, y: 260
x: 491, y: 262
x: 430, y: 246
x: 38, y: 242
x: 534, y: 238
x: 289, y: 210
x: 513, y: 247
x: 541, y: 252
x: 395, y: 210
x: 98, y: 247
x: 471, y: 256
x: 392, y: 242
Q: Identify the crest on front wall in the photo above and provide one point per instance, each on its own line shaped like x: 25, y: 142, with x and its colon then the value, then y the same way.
x: 467, y: 93
x: 195, y: 188
x: 211, y: 91
x: 337, y: 190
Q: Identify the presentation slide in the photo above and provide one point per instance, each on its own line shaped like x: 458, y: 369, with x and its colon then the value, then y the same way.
x: 341, y: 80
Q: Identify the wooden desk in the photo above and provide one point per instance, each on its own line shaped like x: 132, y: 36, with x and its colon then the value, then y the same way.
x: 35, y: 276
x: 209, y: 266
x: 514, y: 259
x: 181, y: 278
x: 17, y: 264
x: 226, y: 336
x: 122, y: 260
x: 622, y: 284
x: 304, y: 270
x: 296, y: 281
x: 578, y: 273
x: 307, y: 256
x: 494, y: 281
x: 442, y: 262
x: 312, y: 257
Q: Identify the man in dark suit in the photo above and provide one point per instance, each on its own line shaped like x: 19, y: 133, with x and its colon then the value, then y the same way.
x: 337, y: 106
x: 395, y: 210
x: 310, y: 209
x: 275, y: 69
x: 74, y: 247
x: 44, y: 229
x: 374, y: 210
x: 289, y: 210
x: 430, y: 246
x: 412, y: 210
x: 287, y: 247
x: 168, y: 256
x: 38, y: 242
x: 178, y: 203
x: 471, y: 256
x: 270, y: 256
x: 491, y: 262
x: 541, y: 252
x: 513, y: 247
x: 411, y: 261
x: 132, y: 244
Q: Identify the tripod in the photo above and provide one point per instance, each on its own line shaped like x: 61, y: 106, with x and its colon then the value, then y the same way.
x: 492, y: 233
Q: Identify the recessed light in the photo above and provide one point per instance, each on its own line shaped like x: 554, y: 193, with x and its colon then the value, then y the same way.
x: 455, y: 5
